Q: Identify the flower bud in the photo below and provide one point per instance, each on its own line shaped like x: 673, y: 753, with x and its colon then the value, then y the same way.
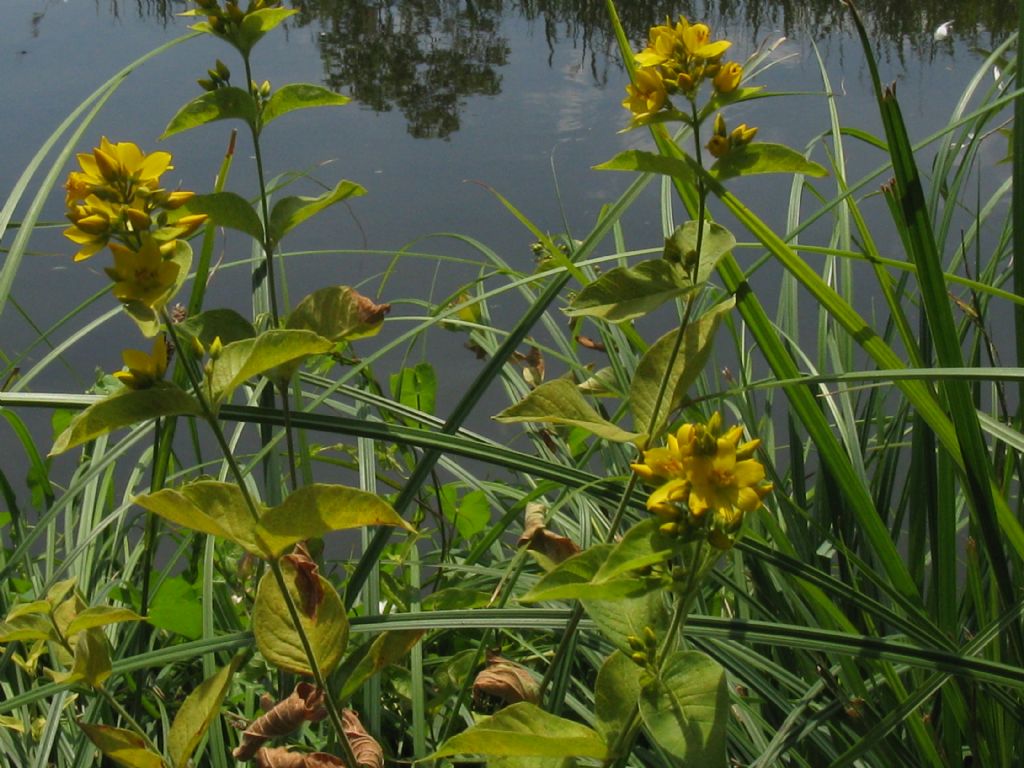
x: 108, y: 166
x: 742, y: 135
x: 728, y: 77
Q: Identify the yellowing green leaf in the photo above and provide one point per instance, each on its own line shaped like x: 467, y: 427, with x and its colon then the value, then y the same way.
x: 27, y: 627
x: 276, y: 636
x: 525, y: 729
x: 199, y: 709
x: 241, y: 360
x: 91, y: 662
x: 314, y: 510
x: 574, y: 579
x: 338, y: 313
x: 123, y: 410
x: 560, y: 402
x: 626, y: 293
x: 125, y: 748
x: 100, y: 616
x: 294, y: 96
x: 27, y: 609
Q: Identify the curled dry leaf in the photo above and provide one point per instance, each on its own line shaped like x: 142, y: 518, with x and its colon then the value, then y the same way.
x: 367, y: 749
x: 538, y: 538
x: 503, y: 682
x: 307, y: 580
x: 589, y: 343
x: 368, y: 311
x: 281, y: 757
x: 305, y: 704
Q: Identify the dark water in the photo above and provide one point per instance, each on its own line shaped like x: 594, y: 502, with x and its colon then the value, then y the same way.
x: 519, y: 96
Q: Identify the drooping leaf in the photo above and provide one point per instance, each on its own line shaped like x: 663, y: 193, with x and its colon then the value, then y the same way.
x: 616, y: 693
x: 126, y: 748
x: 686, y: 709
x: 91, y: 660
x: 685, y: 368
x: 320, y: 508
x: 574, y: 579
x: 222, y: 323
x: 207, y: 506
x: 525, y: 729
x: 199, y: 709
x: 338, y: 313
x: 387, y: 648
x: 626, y: 293
x: 220, y: 104
x: 763, y: 157
x: 289, y: 212
x: 294, y: 96
x: 227, y: 209
x: 560, y: 402
x: 275, y: 634
x: 241, y: 360
x: 123, y: 410
x: 100, y: 616
x: 176, y: 607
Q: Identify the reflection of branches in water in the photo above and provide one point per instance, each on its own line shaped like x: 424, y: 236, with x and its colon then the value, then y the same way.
x: 422, y: 56
x: 163, y: 10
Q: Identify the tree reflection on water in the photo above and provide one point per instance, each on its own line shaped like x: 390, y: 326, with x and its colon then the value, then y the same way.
x: 426, y: 57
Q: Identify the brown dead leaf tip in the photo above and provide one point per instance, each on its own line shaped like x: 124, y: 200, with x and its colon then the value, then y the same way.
x: 589, y: 343
x: 307, y: 580
x: 538, y: 538
x: 503, y: 682
x: 282, y: 757
x: 366, y: 749
x: 368, y: 311
x: 305, y: 704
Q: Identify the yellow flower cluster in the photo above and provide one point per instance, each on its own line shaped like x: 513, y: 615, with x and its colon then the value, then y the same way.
x: 706, y: 480
x: 677, y: 59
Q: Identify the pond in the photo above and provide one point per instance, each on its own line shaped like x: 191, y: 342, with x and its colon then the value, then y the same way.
x: 452, y: 101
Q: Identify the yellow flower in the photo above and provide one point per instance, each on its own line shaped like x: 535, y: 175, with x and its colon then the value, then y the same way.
x: 143, y: 276
x: 728, y: 77
x: 144, y: 370
x: 117, y: 171
x: 647, y: 94
x: 700, y: 471
x: 93, y: 223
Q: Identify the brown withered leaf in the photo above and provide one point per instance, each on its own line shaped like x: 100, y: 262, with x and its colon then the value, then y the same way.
x: 533, y: 372
x: 503, y: 682
x: 477, y: 350
x: 281, y: 757
x: 538, y: 538
x: 307, y: 580
x: 366, y: 749
x: 368, y: 311
x: 589, y: 343
x: 305, y: 704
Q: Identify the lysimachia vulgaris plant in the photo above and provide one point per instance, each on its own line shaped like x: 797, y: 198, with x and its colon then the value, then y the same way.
x: 642, y: 581
x: 117, y: 200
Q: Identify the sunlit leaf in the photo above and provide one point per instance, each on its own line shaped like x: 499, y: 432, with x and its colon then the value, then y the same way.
x: 176, y: 607
x: 222, y: 323
x: 685, y: 368
x: 241, y: 360
x: 100, y: 616
x: 619, y: 619
x: 220, y: 104
x: 338, y: 313
x: 387, y: 648
x: 574, y: 579
x: 647, y: 162
x: 227, y: 209
x: 276, y: 636
x: 716, y: 241
x: 762, y: 157
x: 28, y: 627
x: 640, y: 547
x: 123, y: 410
x: 294, y: 96
x: 686, y: 709
x: 199, y: 709
x: 320, y: 508
x: 560, y: 402
x: 525, y: 729
x: 91, y: 660
x: 626, y: 293
x: 289, y: 212
x: 123, y: 747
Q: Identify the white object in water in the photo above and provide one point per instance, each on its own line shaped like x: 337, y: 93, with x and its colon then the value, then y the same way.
x: 942, y: 31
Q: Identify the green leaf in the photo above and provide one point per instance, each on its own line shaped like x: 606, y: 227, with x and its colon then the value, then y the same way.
x: 618, y: 619
x: 387, y: 648
x: 123, y: 410
x: 574, y: 579
x: 221, y: 104
x: 241, y: 360
x: 225, y: 324
x: 92, y: 660
x: 763, y: 157
x: 100, y: 616
x: 176, y: 608
x: 626, y: 293
x: 257, y: 23
x: 289, y: 212
x: 28, y: 627
x: 647, y: 162
x: 338, y: 313
x: 126, y: 748
x: 198, y: 710
x: 686, y: 709
x: 560, y: 402
x: 227, y: 209
x: 616, y: 693
x: 641, y: 546
x: 320, y: 508
x: 29, y: 609
x: 471, y: 514
x: 294, y: 96
x: 276, y: 636
x: 208, y: 506
x: 525, y: 729
x: 716, y: 242
x: 416, y: 387
x: 687, y: 366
